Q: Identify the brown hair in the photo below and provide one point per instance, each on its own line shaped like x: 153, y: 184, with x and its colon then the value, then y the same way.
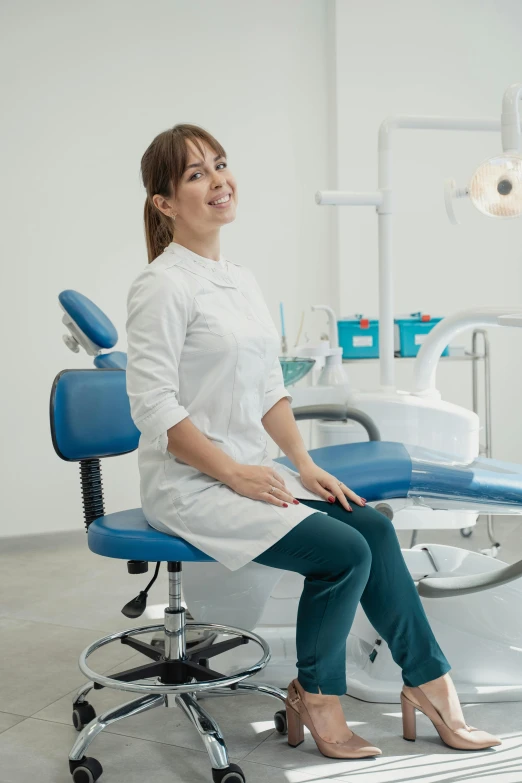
x: 162, y: 167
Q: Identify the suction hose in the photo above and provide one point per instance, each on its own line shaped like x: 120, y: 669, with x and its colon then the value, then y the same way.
x: 338, y: 413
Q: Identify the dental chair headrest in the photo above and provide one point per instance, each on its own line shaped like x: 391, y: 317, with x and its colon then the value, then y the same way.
x: 90, y: 319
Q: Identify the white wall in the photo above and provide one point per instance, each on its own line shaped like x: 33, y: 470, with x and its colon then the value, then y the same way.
x: 436, y: 58
x: 87, y: 86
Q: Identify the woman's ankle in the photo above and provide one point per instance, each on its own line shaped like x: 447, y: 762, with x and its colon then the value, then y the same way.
x: 437, y: 682
x: 318, y: 697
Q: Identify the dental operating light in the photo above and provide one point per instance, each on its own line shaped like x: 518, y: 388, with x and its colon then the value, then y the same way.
x: 496, y: 186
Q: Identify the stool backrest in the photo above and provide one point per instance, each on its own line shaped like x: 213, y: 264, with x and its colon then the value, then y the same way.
x: 90, y: 415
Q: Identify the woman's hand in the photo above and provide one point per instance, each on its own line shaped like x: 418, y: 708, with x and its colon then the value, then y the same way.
x: 261, y: 483
x: 322, y: 483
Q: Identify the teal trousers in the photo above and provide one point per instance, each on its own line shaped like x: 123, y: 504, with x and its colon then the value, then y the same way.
x: 347, y: 557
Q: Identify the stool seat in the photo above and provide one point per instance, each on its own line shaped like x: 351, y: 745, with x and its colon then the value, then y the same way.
x: 127, y: 535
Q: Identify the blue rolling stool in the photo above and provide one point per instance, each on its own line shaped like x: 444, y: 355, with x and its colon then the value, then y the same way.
x: 90, y: 419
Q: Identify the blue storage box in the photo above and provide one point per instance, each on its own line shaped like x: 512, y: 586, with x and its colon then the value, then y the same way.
x: 358, y: 337
x: 411, y: 331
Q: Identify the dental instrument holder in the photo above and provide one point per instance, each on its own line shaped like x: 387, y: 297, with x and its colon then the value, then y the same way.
x: 334, y: 373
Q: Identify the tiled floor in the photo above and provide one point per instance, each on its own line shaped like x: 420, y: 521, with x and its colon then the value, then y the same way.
x: 56, y: 597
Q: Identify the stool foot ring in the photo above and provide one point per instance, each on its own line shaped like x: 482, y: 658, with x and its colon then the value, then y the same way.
x: 178, y: 672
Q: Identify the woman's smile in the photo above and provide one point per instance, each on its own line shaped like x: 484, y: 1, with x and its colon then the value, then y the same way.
x: 222, y: 204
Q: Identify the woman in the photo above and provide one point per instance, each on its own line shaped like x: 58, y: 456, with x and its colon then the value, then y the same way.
x: 205, y: 386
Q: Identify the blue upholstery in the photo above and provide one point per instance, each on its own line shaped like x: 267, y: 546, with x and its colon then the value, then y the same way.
x: 90, y: 415
x: 91, y: 320
x: 375, y: 470
x: 90, y: 419
x: 127, y: 535
x: 115, y: 360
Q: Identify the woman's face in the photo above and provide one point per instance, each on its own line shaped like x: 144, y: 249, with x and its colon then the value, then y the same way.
x: 203, y: 181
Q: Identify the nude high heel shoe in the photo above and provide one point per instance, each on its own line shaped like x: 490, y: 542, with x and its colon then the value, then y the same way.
x: 468, y: 738
x: 298, y: 714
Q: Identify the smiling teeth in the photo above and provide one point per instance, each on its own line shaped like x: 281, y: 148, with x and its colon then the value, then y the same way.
x: 221, y: 200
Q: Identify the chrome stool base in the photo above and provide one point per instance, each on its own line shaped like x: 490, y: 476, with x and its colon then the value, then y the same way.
x: 178, y: 683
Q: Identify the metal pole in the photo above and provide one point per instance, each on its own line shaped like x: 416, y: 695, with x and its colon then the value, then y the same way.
x: 487, y: 450
x: 175, y: 644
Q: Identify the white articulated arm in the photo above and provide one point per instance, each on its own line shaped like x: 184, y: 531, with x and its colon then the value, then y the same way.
x: 510, y: 121
x: 425, y: 369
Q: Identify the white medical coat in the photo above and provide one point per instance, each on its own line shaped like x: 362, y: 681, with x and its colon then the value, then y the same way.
x: 202, y: 343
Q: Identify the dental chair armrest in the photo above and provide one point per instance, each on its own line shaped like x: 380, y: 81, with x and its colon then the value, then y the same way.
x: 449, y: 586
x: 338, y: 413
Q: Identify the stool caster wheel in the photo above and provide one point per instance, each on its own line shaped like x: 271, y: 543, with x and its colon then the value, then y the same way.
x: 231, y: 774
x: 87, y: 770
x: 281, y: 722
x: 83, y: 713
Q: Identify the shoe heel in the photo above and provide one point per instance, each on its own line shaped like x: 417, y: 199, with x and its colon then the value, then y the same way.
x: 409, y: 729
x: 295, y: 728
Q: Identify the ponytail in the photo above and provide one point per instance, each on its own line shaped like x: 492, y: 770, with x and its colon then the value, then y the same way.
x: 159, y: 230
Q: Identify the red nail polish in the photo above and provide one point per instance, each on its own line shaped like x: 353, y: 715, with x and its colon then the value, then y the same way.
x: 331, y: 499
x: 296, y: 502
x: 285, y: 505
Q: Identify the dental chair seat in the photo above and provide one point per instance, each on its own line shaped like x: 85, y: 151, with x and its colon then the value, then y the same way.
x: 376, y: 470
